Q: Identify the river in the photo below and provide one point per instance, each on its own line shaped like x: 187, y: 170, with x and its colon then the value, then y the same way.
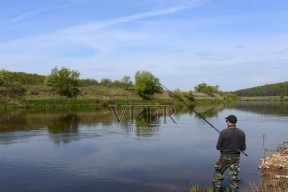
x: 91, y: 150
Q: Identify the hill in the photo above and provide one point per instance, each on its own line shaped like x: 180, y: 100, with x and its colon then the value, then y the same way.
x: 276, y: 89
x: 22, y: 89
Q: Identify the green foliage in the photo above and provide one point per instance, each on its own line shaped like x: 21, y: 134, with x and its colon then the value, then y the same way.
x: 27, y: 79
x: 186, y: 97
x: 127, y: 82
x: 63, y: 81
x: 189, y: 95
x: 5, y: 78
x: 208, y: 89
x: 283, y: 146
x: 8, y: 77
x: 10, y: 89
x: 146, y: 84
x: 13, y: 91
x: 87, y: 82
x: 178, y: 94
x: 126, y: 79
x: 277, y: 89
x: 106, y: 82
x: 230, y: 97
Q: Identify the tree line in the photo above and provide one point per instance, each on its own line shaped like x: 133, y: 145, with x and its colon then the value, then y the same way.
x: 12, y: 78
x: 66, y: 82
x: 277, y: 89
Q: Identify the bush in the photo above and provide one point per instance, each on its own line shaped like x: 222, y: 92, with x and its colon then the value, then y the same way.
x: 230, y: 97
x: 177, y: 94
x: 146, y: 84
x: 204, y: 88
x: 189, y: 95
x: 63, y: 81
x: 5, y: 78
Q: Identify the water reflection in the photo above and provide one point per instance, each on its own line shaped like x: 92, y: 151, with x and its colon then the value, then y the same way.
x: 63, y: 125
x: 143, y: 120
x: 147, y: 122
x: 210, y: 111
x: 64, y: 128
x: 14, y: 121
x: 260, y: 107
x: 11, y: 121
x: 103, y: 155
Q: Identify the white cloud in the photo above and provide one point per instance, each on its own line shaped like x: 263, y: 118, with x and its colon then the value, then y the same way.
x: 34, y: 13
x: 93, y: 34
x: 126, y: 19
x: 27, y: 15
x: 181, y: 55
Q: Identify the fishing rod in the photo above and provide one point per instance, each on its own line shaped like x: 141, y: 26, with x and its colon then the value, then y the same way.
x: 189, y: 107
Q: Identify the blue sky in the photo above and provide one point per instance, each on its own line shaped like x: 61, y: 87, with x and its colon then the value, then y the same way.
x: 235, y: 44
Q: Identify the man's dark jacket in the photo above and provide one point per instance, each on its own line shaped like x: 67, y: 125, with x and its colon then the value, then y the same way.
x: 231, y: 141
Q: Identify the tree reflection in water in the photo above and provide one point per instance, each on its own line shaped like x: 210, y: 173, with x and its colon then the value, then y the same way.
x: 147, y: 123
x: 64, y: 129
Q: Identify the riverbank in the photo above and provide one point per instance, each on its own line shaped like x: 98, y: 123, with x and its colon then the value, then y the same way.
x: 264, y: 98
x: 274, y: 170
x: 274, y: 174
x: 91, y: 96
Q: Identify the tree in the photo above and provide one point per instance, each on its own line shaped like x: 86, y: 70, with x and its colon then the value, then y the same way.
x: 127, y: 82
x: 63, y: 81
x: 106, y: 82
x: 146, y: 84
x: 276, y: 89
x: 204, y: 88
x: 5, y: 78
x: 126, y: 79
x: 87, y: 82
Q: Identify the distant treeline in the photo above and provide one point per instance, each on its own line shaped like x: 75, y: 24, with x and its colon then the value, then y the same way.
x: 277, y: 89
x: 35, y: 79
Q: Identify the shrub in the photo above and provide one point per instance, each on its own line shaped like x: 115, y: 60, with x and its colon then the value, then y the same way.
x: 63, y: 81
x: 4, y: 78
x: 204, y: 88
x: 146, y: 84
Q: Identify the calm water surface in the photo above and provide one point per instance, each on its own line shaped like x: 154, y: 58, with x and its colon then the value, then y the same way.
x: 90, y: 151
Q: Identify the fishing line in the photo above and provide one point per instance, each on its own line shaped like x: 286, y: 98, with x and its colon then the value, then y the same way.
x: 190, y: 107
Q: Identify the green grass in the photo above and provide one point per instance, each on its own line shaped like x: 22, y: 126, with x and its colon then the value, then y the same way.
x: 40, y: 96
x: 3, y: 102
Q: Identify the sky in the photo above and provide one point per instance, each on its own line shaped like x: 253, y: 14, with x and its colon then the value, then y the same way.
x: 234, y: 44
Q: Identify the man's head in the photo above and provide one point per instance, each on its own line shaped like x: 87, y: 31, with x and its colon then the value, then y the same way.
x: 232, y: 119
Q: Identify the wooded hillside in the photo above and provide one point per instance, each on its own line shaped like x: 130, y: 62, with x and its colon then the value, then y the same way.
x: 277, y: 89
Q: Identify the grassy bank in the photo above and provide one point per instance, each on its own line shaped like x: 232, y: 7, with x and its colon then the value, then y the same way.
x: 39, y: 96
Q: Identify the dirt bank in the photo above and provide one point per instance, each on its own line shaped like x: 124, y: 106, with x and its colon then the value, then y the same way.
x: 274, y: 170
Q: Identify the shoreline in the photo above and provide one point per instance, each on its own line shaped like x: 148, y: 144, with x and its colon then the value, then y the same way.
x: 96, y: 103
x: 274, y: 171
x: 264, y: 98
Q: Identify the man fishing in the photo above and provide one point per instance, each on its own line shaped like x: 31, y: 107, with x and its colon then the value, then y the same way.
x: 231, y: 142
